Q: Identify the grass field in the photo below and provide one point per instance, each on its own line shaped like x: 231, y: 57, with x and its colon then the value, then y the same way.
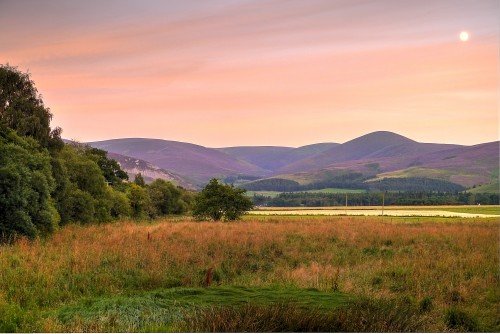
x: 491, y: 188
x: 323, y: 273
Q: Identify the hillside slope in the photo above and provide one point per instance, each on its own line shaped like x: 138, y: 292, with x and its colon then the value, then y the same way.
x: 463, y: 165
x: 194, y: 161
x: 375, y: 145
x: 272, y: 158
x: 150, y: 172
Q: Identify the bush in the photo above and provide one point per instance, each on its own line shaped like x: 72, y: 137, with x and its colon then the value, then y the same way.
x: 165, y: 198
x: 120, y: 204
x: 26, y: 182
x: 459, y: 320
x: 140, y: 203
x: 78, y: 206
x: 426, y: 304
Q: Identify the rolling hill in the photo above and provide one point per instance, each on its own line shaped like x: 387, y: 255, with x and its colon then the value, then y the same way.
x: 380, y: 145
x: 384, y: 155
x: 193, y: 161
x: 370, y: 158
x: 150, y: 172
x: 273, y: 158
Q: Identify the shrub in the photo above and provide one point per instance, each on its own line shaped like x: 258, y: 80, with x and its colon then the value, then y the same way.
x: 120, y: 204
x: 78, y: 206
x: 426, y: 304
x: 140, y: 203
x: 456, y: 319
x: 166, y: 198
x: 26, y: 182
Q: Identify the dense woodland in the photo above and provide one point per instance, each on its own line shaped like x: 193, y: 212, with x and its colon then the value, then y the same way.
x: 375, y: 198
x: 357, y: 181
x: 46, y: 183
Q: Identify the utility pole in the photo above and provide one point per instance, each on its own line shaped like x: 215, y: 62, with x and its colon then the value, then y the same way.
x: 346, y: 204
x: 383, y: 202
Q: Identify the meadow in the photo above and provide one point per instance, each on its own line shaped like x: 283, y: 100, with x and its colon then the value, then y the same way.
x: 289, y: 273
x: 469, y: 211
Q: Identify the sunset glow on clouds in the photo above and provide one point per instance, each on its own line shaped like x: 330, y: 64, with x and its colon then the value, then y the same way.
x: 225, y: 73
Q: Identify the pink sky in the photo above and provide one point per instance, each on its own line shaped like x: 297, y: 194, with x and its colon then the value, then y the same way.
x: 226, y: 73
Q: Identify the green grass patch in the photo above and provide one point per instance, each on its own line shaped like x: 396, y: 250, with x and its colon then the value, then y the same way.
x: 490, y: 188
x: 488, y: 210
x: 162, y: 309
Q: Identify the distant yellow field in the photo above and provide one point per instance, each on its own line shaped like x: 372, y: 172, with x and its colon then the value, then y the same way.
x: 472, y: 211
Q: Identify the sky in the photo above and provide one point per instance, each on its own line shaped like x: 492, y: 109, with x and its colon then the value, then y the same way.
x: 241, y: 72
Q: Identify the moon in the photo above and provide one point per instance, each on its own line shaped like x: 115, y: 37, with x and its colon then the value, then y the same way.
x: 464, y: 36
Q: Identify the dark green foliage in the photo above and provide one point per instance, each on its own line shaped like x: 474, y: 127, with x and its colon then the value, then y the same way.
x: 374, y: 198
x: 140, y: 202
x: 357, y: 181
x: 220, y: 201
x: 26, y: 182
x: 139, y: 180
x: 110, y: 168
x: 426, y: 304
x: 415, y: 184
x: 459, y: 320
x: 77, y: 206
x: 119, y: 204
x: 22, y: 109
x: 44, y: 181
x: 81, y: 194
x: 166, y: 198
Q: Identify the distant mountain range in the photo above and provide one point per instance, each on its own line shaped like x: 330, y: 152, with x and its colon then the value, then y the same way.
x: 375, y: 156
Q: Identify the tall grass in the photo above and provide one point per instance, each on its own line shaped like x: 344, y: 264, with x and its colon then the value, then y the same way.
x: 364, y: 316
x: 443, y: 265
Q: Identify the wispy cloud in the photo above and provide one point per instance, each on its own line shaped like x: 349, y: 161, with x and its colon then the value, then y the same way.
x: 325, y: 70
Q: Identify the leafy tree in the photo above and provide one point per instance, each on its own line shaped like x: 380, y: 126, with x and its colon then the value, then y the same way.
x: 220, y: 201
x: 110, y: 168
x: 140, y: 203
x: 166, y: 198
x: 26, y: 182
x: 22, y: 108
x: 139, y: 180
x: 82, y: 194
x: 77, y: 206
x: 120, y: 204
x: 83, y: 171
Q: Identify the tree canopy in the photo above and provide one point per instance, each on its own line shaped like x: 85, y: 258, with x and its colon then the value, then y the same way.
x: 26, y: 182
x: 45, y: 183
x: 221, y: 201
x: 22, y: 108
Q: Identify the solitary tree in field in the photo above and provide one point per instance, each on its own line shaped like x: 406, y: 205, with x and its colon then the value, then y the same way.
x: 220, y: 201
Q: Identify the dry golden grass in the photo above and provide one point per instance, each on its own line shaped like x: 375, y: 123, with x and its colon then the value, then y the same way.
x: 453, y: 262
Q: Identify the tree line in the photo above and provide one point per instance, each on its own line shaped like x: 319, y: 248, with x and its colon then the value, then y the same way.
x: 46, y: 183
x: 354, y: 180
x: 375, y: 198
